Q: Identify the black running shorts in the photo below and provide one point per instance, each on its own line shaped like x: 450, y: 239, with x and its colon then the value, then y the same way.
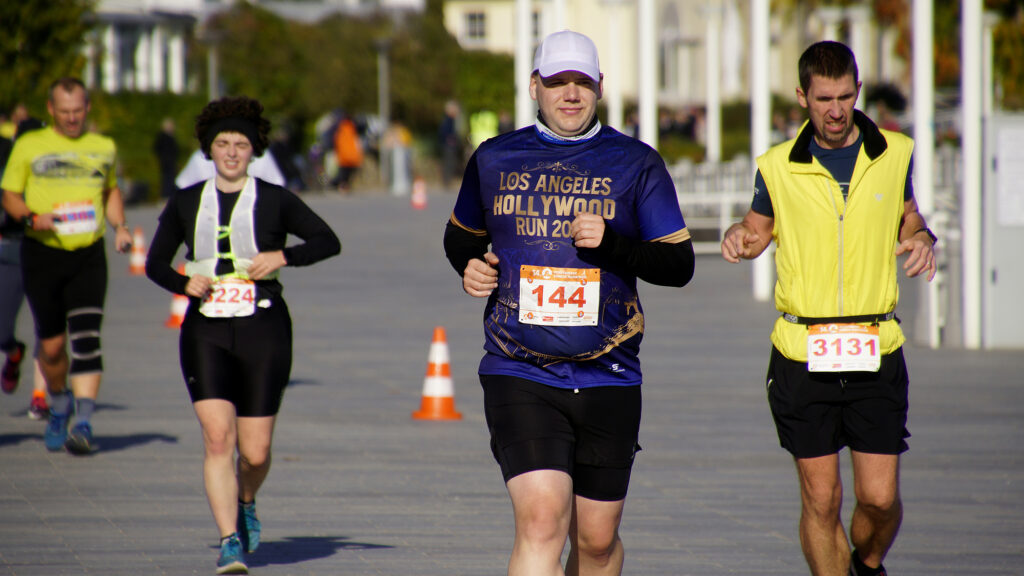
x: 246, y: 360
x: 60, y: 281
x: 590, y: 434
x: 817, y: 414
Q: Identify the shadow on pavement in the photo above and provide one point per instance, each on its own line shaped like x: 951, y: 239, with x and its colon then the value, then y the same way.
x: 297, y: 549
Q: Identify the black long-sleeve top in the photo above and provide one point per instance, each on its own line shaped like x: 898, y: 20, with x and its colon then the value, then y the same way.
x: 277, y: 214
x: 659, y: 263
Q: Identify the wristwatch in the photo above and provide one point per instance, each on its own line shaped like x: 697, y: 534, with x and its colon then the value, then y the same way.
x: 930, y: 234
x: 29, y: 220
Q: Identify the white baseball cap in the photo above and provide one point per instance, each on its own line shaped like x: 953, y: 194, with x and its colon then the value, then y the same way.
x: 567, y: 50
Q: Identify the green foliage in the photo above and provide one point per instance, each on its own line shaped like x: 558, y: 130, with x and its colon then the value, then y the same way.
x: 300, y: 71
x: 133, y: 120
x: 40, y: 42
x: 486, y: 81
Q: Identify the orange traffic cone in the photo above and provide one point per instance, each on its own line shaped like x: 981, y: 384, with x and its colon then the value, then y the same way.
x: 418, y: 200
x: 438, y: 402
x: 137, y: 261
x: 179, y: 305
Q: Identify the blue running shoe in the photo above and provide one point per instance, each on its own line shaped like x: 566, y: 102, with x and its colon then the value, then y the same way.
x: 231, y: 560
x: 248, y: 526
x: 56, y: 432
x: 79, y: 441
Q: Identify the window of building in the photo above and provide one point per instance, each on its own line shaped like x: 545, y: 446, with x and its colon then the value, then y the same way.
x: 476, y: 26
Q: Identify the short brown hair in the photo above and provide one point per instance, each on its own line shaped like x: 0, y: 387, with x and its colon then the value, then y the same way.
x: 68, y: 84
x: 828, y: 59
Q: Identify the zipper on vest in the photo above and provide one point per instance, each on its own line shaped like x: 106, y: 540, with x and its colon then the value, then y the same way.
x: 839, y: 243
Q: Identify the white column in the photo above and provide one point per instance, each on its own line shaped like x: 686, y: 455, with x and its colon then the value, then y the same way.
x: 712, y: 79
x: 141, y: 61
x: 924, y: 140
x: 647, y: 85
x: 523, y: 65
x: 760, y: 120
x: 561, y: 23
x: 830, y: 19
x: 157, y: 46
x: 176, y: 62
x: 613, y: 56
x: 111, y: 57
x: 971, y: 143
x: 89, y: 52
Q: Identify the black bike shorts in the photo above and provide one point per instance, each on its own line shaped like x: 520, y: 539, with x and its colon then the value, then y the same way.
x: 590, y: 433
x: 60, y: 281
x: 245, y: 360
x: 818, y: 413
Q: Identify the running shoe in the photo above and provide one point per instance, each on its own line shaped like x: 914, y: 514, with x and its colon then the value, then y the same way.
x: 79, y: 440
x: 56, y: 432
x: 11, y: 372
x: 248, y: 526
x: 37, y: 409
x: 231, y: 560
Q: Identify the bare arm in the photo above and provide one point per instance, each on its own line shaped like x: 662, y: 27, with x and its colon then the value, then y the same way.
x: 17, y: 209
x: 748, y: 238
x: 114, y: 208
x: 914, y: 238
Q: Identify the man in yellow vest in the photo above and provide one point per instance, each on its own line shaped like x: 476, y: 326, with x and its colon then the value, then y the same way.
x: 60, y: 182
x: 839, y: 204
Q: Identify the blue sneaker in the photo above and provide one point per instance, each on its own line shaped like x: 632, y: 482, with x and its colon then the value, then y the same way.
x: 231, y: 560
x: 56, y: 432
x: 79, y: 440
x: 248, y: 526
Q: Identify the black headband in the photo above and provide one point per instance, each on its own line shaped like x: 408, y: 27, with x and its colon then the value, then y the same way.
x: 237, y: 124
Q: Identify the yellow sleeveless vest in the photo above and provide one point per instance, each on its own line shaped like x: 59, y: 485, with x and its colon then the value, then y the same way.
x: 836, y: 258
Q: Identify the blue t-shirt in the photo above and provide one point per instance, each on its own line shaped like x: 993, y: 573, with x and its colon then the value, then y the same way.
x: 523, y: 190
x: 839, y: 162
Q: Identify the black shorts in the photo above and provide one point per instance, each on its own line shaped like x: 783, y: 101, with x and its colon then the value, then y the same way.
x: 246, y: 360
x: 59, y: 281
x: 819, y: 413
x: 590, y: 434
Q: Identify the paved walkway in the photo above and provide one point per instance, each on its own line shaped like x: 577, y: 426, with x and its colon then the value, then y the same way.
x: 359, y: 488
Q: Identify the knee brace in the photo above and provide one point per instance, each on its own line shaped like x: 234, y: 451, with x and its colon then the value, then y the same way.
x: 84, y: 336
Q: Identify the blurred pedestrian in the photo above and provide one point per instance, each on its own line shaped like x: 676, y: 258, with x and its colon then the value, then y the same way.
x: 349, y: 150
x: 166, y: 148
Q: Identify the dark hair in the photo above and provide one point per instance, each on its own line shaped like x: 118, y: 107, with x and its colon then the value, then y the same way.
x: 68, y: 84
x: 828, y: 59
x: 233, y: 114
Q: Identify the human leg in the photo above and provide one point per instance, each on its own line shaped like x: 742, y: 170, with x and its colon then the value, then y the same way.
x: 220, y: 437
x: 12, y: 293
x: 879, y: 510
x: 595, y: 545
x: 38, y: 408
x: 542, y: 505
x: 53, y: 363
x: 822, y: 536
x: 255, y: 436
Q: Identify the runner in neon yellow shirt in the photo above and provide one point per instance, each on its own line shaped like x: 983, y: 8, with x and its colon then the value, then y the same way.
x: 60, y: 182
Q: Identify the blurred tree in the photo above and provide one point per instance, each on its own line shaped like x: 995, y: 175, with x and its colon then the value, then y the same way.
x: 41, y: 41
x: 1008, y: 38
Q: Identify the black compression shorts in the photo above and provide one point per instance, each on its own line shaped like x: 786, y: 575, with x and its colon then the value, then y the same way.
x: 61, y: 281
x: 590, y: 434
x: 818, y: 413
x: 245, y: 360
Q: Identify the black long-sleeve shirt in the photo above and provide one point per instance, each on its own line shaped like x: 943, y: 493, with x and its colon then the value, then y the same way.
x: 659, y: 263
x: 277, y: 214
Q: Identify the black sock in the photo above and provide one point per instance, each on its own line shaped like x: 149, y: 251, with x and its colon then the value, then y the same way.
x: 863, y: 569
